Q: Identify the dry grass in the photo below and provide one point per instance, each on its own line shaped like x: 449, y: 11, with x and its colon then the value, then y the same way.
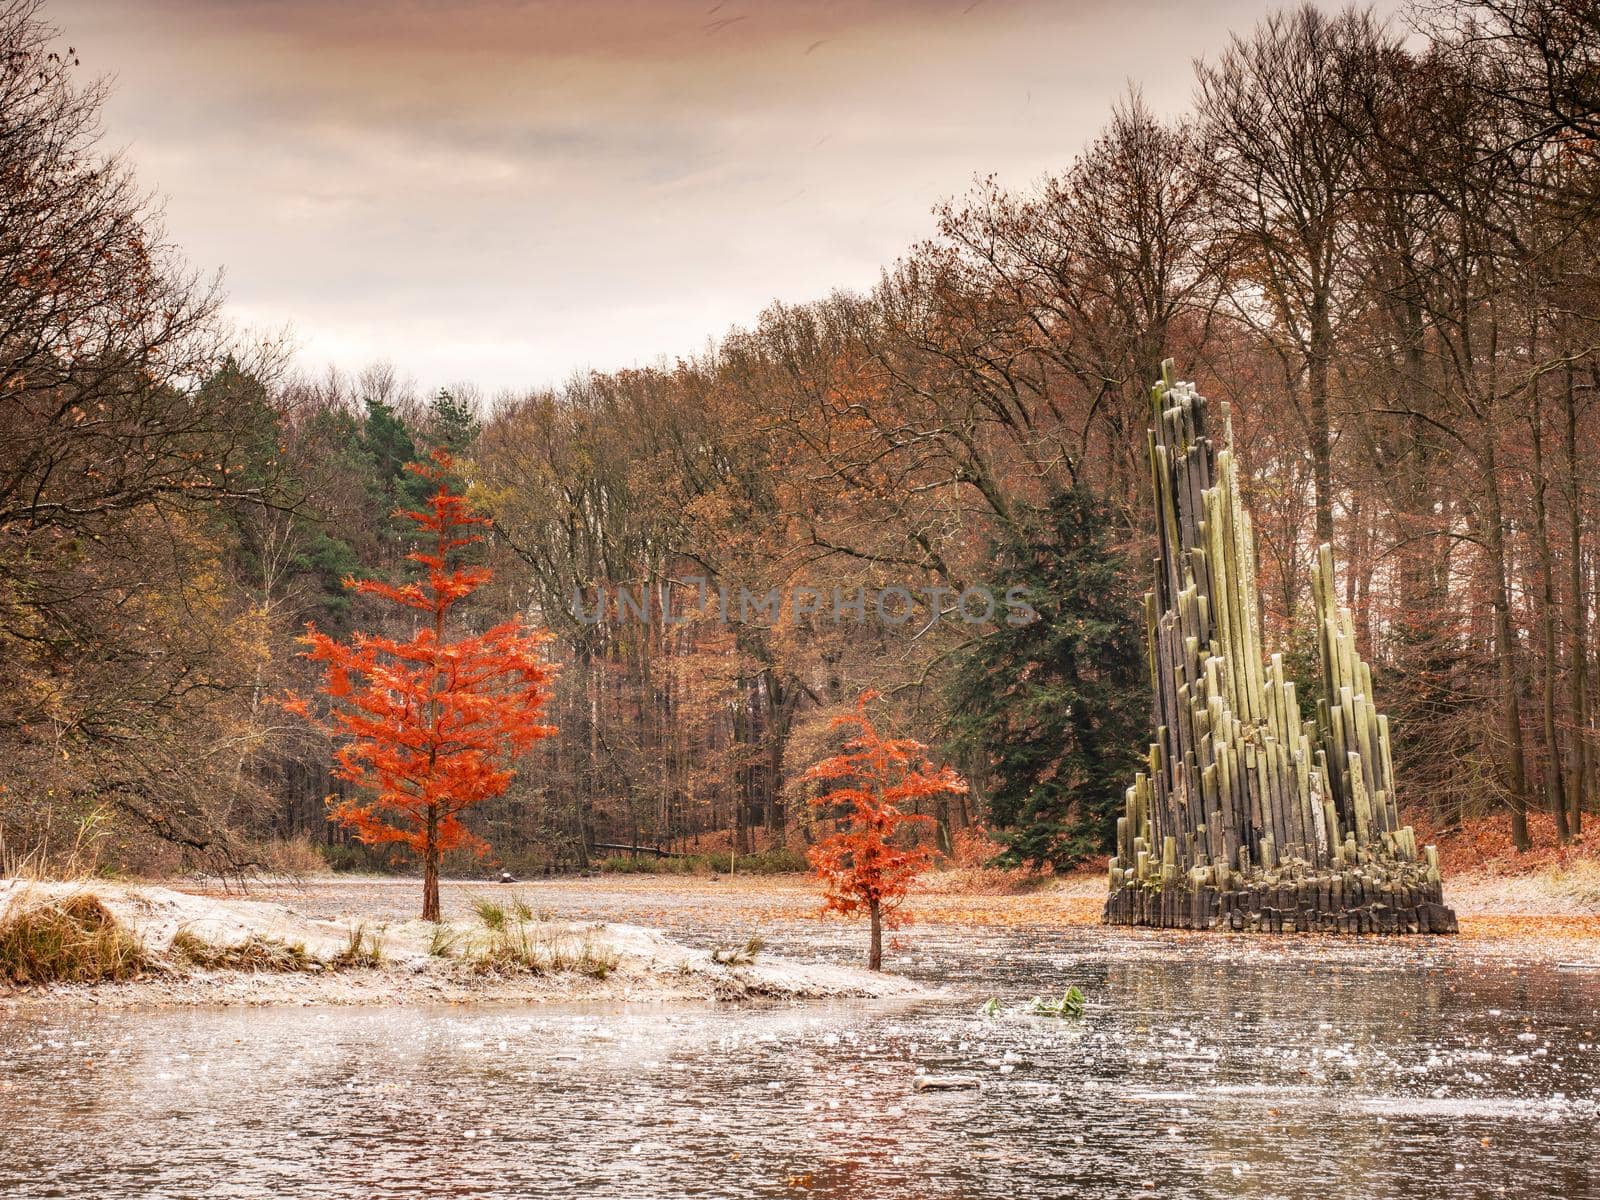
x: 443, y: 941
x: 73, y: 853
x: 254, y: 953
x: 514, y: 942
x: 491, y: 913
x: 970, y: 870
x: 985, y: 881
x: 1579, y: 881
x: 1482, y: 845
x: 363, y: 948
x: 297, y: 857
x: 74, y: 939
x: 739, y: 956
x: 1485, y: 873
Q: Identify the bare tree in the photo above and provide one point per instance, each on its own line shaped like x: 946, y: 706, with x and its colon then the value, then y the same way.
x: 112, y: 618
x: 1283, y: 114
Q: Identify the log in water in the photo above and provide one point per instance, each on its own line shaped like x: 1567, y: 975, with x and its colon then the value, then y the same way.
x: 1251, y: 817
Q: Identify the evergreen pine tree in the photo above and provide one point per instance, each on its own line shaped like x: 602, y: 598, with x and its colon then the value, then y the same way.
x: 1056, y: 707
x: 452, y: 426
x: 387, y: 441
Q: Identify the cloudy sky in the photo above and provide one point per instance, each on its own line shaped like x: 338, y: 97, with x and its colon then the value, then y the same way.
x: 509, y: 191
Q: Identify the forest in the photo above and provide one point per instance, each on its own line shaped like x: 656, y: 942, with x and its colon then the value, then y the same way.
x: 1378, y: 242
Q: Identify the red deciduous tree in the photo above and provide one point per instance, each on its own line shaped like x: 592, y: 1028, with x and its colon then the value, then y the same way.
x: 860, y: 865
x: 430, y: 726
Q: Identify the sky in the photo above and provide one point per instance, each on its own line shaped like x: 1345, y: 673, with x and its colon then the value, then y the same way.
x: 509, y: 192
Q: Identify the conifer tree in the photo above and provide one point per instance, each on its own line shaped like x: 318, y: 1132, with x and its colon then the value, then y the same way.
x: 430, y: 726
x: 863, y: 864
x: 1055, y: 706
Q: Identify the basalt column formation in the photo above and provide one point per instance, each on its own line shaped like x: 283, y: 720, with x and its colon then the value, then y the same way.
x: 1250, y: 817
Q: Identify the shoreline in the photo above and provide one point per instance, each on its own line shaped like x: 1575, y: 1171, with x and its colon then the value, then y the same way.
x: 191, y: 937
x: 1543, y: 892
x: 601, y: 946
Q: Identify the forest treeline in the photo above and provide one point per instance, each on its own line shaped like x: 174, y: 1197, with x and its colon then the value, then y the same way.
x: 1376, y: 242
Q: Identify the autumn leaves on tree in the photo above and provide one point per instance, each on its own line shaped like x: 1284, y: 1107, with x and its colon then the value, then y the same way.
x: 861, y: 865
x: 429, y: 727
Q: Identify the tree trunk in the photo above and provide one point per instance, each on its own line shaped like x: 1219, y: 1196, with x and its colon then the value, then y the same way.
x: 875, y: 953
x: 1321, y: 425
x: 430, y: 867
x: 1547, y: 624
x: 941, y: 830
x: 1579, y: 768
x: 1505, y: 651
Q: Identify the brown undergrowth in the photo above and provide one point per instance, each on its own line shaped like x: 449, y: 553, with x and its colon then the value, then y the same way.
x: 970, y: 869
x: 1483, y: 845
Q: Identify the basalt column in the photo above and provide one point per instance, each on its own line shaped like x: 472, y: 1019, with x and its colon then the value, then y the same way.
x: 1249, y: 816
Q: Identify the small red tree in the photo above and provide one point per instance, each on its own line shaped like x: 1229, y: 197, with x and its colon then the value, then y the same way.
x: 860, y: 865
x: 430, y: 726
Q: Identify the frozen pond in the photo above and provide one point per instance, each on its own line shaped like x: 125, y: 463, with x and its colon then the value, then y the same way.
x: 1254, y: 1074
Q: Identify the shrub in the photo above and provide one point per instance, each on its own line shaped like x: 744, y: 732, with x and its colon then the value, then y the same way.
x: 295, y: 857
x: 354, y: 858
x: 973, y: 868
x: 777, y: 861
x: 621, y: 864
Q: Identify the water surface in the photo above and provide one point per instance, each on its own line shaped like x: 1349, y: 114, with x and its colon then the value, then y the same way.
x: 1201, y: 1069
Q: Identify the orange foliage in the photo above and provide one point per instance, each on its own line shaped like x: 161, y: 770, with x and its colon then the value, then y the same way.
x: 969, y: 870
x: 430, y: 726
x: 860, y: 865
x: 973, y: 847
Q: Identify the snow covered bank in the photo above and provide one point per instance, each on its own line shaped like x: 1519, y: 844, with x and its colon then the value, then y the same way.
x: 503, y: 956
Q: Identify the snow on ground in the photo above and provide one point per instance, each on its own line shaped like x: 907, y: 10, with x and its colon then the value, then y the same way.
x: 644, y: 964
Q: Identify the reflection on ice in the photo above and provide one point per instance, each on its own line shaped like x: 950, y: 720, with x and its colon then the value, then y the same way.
x: 1255, y: 1075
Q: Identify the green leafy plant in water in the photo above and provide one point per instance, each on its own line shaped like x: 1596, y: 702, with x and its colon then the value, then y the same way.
x: 1070, y: 1005
x: 991, y: 1008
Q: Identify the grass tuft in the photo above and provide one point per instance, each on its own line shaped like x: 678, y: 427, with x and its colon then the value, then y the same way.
x: 443, y: 940
x: 254, y: 953
x: 75, y: 939
x: 363, y: 948
x: 739, y: 956
x: 523, y: 945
